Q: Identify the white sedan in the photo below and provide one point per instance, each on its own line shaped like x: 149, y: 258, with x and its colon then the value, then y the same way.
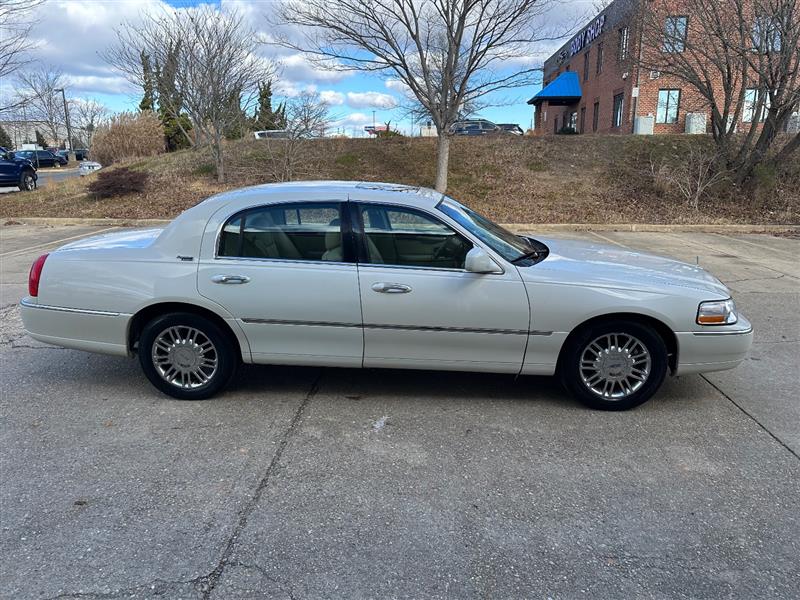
x: 345, y: 274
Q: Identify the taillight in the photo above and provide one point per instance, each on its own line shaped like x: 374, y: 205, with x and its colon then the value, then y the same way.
x: 35, y: 275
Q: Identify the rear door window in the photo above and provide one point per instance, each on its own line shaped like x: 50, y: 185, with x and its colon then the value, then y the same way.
x: 299, y: 231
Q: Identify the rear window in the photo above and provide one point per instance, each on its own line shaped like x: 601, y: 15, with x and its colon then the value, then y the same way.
x: 302, y: 231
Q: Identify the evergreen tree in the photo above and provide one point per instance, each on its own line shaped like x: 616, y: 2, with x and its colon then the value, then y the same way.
x: 149, y: 100
x: 40, y: 141
x: 5, y: 140
x: 235, y: 130
x: 265, y: 118
x: 170, y: 103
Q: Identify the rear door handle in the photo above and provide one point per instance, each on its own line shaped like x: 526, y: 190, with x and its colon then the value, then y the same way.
x: 391, y: 288
x: 235, y: 279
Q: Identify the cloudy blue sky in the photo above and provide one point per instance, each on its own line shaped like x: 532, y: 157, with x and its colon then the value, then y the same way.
x: 71, y: 33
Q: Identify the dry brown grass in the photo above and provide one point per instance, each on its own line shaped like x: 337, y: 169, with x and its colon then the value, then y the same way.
x: 564, y: 179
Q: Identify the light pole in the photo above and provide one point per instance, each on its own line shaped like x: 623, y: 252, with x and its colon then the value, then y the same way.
x: 66, y: 118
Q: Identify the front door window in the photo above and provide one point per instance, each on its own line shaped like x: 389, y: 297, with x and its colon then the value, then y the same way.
x: 405, y: 237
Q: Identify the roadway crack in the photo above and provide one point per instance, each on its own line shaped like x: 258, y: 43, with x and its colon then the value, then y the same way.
x: 207, y: 583
x: 210, y: 581
x: 750, y: 415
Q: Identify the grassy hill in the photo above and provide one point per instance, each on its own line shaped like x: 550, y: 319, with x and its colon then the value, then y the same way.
x: 563, y: 179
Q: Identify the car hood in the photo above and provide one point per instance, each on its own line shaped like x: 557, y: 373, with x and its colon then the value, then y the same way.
x: 587, y: 263
x: 137, y: 238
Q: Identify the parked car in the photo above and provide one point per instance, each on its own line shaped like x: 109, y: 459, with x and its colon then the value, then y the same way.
x: 474, y: 127
x: 88, y: 166
x: 16, y: 171
x: 511, y: 128
x: 43, y: 158
x: 346, y: 274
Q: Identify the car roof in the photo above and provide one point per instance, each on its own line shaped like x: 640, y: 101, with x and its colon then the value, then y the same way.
x: 320, y: 191
x: 220, y: 206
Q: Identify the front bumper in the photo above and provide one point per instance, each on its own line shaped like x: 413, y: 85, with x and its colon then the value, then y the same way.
x: 714, y: 348
x: 90, y: 330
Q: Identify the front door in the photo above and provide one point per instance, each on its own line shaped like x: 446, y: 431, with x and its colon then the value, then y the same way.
x: 422, y: 309
x: 284, y: 273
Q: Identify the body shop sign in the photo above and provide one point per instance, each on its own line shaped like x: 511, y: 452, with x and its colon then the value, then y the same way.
x: 587, y: 36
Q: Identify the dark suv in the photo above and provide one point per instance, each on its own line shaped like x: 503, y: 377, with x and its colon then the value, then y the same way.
x: 473, y: 127
x: 43, y: 158
x: 16, y: 171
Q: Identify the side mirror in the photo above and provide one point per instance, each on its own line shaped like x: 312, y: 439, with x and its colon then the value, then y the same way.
x: 478, y: 261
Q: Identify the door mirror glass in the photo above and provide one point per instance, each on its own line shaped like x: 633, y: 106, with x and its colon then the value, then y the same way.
x: 478, y: 261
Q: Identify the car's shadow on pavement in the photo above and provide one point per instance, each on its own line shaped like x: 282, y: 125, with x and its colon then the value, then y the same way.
x: 106, y: 375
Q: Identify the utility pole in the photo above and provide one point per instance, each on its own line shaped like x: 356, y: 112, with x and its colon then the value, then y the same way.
x: 70, y: 152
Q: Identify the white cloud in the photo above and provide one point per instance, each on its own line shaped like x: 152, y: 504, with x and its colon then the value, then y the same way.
x: 296, y: 67
x: 356, y: 119
x: 371, y: 100
x: 396, y: 85
x: 331, y: 97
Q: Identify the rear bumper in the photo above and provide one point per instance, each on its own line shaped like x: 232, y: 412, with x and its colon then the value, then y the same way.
x: 714, y: 349
x: 90, y: 330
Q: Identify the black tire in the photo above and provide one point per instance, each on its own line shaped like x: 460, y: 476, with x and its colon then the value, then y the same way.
x: 224, y: 351
x: 574, y: 374
x: 27, y: 182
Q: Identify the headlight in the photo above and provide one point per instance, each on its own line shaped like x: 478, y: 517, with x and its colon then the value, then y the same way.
x: 717, y: 312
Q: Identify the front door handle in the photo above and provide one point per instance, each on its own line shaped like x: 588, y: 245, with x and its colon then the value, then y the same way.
x: 235, y: 279
x: 391, y: 288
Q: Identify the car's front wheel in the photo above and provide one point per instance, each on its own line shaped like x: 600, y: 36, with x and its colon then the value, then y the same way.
x: 27, y: 182
x: 614, y: 365
x: 187, y: 356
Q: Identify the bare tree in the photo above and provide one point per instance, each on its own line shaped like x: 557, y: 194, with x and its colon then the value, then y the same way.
x: 692, y: 174
x: 16, y: 22
x: 42, y: 103
x: 307, y: 117
x: 212, y: 55
x: 741, y: 59
x: 88, y: 115
x: 449, y: 53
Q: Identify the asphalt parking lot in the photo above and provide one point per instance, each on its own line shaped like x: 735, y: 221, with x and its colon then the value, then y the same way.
x: 325, y: 483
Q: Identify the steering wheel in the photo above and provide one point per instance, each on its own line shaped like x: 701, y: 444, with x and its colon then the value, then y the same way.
x: 447, y: 243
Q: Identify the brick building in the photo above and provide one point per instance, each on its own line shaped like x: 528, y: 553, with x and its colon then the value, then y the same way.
x: 593, y: 83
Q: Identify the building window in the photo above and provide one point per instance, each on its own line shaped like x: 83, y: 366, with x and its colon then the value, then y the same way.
x: 595, y: 116
x: 624, y: 38
x: 766, y: 35
x: 573, y: 121
x: 586, y: 66
x: 599, y: 58
x: 751, y: 111
x: 616, y: 118
x: 555, y: 125
x: 583, y: 119
x: 675, y: 29
x: 668, y: 103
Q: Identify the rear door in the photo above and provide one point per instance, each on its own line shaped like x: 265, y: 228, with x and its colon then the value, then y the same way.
x: 421, y: 308
x: 285, y: 271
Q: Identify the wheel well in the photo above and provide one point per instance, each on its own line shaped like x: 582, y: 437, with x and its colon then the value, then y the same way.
x: 664, y: 332
x: 148, y: 313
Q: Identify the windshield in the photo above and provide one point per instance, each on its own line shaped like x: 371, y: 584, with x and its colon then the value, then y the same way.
x: 506, y: 244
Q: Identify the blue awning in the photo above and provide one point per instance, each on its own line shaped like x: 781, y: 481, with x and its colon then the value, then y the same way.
x: 564, y: 89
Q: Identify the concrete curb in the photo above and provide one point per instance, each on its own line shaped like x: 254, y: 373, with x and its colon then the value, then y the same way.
x: 516, y: 227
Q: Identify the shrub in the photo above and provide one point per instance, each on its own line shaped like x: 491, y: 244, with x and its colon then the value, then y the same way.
x: 118, y: 182
x: 128, y: 135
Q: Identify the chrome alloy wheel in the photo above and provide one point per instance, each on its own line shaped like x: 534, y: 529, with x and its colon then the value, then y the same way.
x: 184, y: 357
x: 615, y: 365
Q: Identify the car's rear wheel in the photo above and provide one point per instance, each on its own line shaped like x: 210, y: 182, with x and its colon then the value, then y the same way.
x: 614, y: 365
x: 27, y: 182
x: 187, y: 356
